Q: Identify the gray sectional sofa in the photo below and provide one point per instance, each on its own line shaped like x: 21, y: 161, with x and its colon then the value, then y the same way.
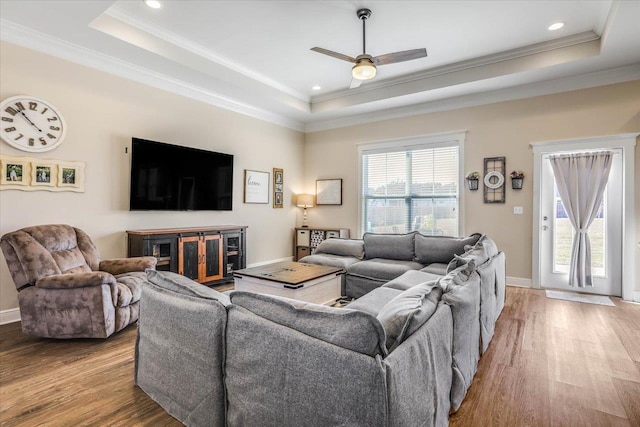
x: 379, y: 258
x: 404, y: 354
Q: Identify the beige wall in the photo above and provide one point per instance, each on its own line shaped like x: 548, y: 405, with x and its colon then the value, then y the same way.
x: 103, y: 112
x: 503, y: 129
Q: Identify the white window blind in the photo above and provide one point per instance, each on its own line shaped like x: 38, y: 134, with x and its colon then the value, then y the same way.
x: 411, y: 188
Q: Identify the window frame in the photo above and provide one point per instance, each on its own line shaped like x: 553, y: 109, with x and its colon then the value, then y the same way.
x: 431, y: 141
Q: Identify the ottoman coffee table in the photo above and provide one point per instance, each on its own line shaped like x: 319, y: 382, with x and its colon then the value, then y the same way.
x: 296, y: 280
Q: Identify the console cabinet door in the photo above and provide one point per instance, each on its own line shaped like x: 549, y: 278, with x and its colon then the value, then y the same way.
x: 211, y: 250
x: 189, y: 258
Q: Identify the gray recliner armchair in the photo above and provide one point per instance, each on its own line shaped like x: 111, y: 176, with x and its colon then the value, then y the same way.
x: 64, y: 290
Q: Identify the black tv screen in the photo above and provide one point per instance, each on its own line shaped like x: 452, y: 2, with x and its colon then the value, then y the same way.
x: 173, y: 178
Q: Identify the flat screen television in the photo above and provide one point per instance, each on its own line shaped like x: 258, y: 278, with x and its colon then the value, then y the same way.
x: 173, y: 178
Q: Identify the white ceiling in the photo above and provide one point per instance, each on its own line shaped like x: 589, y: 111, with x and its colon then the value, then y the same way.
x: 255, y: 57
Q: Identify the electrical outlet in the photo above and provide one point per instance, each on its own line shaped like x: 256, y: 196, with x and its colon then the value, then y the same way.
x: 517, y: 210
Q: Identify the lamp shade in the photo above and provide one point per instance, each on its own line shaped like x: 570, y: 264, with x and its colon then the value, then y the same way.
x: 305, y: 201
x: 363, y: 70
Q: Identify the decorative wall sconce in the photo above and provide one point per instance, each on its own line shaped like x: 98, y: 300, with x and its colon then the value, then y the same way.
x: 472, y: 180
x: 517, y: 179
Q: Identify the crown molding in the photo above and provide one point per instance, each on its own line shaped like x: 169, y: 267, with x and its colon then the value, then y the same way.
x: 583, y: 81
x: 201, y: 51
x: 26, y: 37
x: 35, y: 40
x: 482, y: 61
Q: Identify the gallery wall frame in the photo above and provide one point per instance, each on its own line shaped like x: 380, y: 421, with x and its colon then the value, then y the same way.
x: 278, y: 188
x: 256, y: 186
x: 329, y: 191
x: 34, y: 174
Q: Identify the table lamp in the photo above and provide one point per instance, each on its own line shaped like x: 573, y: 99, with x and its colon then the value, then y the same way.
x: 305, y: 201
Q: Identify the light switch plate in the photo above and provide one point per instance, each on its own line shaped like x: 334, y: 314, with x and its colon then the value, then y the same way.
x: 517, y: 210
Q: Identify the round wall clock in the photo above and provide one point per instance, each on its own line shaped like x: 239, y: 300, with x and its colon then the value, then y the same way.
x: 31, y: 124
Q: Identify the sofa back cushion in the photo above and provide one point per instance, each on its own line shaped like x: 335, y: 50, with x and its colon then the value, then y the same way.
x: 408, y: 311
x: 350, y: 329
x: 483, y: 250
x: 441, y: 249
x: 389, y: 246
x: 341, y: 247
x: 183, y: 285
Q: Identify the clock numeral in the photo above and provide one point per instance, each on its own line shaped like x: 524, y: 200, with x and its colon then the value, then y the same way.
x: 19, y: 106
x: 19, y: 136
x: 11, y: 129
x: 52, y: 119
x: 31, y: 141
x: 54, y: 127
x: 7, y: 119
x: 51, y: 136
x: 11, y: 111
x: 33, y: 106
x: 42, y: 141
x: 45, y: 110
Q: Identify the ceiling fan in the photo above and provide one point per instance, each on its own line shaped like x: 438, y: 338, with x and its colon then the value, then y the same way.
x: 365, y: 64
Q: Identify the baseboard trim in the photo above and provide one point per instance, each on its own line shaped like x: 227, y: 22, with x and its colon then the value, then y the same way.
x: 9, y: 316
x: 271, y: 261
x: 636, y: 296
x: 518, y: 282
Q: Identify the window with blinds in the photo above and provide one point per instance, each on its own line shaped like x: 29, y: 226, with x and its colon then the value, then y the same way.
x: 411, y: 188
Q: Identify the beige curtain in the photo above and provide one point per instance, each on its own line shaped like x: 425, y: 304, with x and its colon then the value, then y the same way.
x: 581, y: 179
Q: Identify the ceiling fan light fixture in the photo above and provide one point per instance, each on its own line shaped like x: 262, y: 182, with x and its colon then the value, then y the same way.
x: 364, y: 70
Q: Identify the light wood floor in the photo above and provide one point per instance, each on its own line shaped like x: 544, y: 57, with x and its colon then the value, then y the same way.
x: 551, y: 362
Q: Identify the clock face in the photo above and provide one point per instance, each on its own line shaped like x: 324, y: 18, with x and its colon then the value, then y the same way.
x: 31, y: 124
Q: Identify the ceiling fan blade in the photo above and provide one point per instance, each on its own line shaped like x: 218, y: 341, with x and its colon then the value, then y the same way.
x: 334, y: 54
x: 355, y: 83
x: 406, y: 55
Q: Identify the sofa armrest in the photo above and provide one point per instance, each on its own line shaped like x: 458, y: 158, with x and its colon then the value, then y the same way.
x: 127, y: 265
x: 76, y: 280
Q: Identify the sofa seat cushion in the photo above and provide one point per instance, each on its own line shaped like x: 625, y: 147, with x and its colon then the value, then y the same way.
x: 389, y: 246
x: 373, y: 302
x: 350, y: 329
x: 382, y: 269
x: 441, y: 249
x: 330, y: 260
x: 408, y: 311
x: 183, y: 285
x: 410, y: 279
x: 129, y: 288
x: 343, y: 247
x: 438, y: 268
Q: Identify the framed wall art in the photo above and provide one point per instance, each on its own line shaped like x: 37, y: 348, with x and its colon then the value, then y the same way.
x: 32, y: 174
x: 256, y: 186
x: 71, y: 176
x: 44, y: 173
x: 278, y: 188
x: 16, y: 171
x: 494, y: 170
x: 329, y: 192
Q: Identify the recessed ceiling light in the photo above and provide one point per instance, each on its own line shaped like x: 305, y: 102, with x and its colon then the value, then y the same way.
x: 556, y: 26
x: 316, y: 87
x: 154, y: 4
